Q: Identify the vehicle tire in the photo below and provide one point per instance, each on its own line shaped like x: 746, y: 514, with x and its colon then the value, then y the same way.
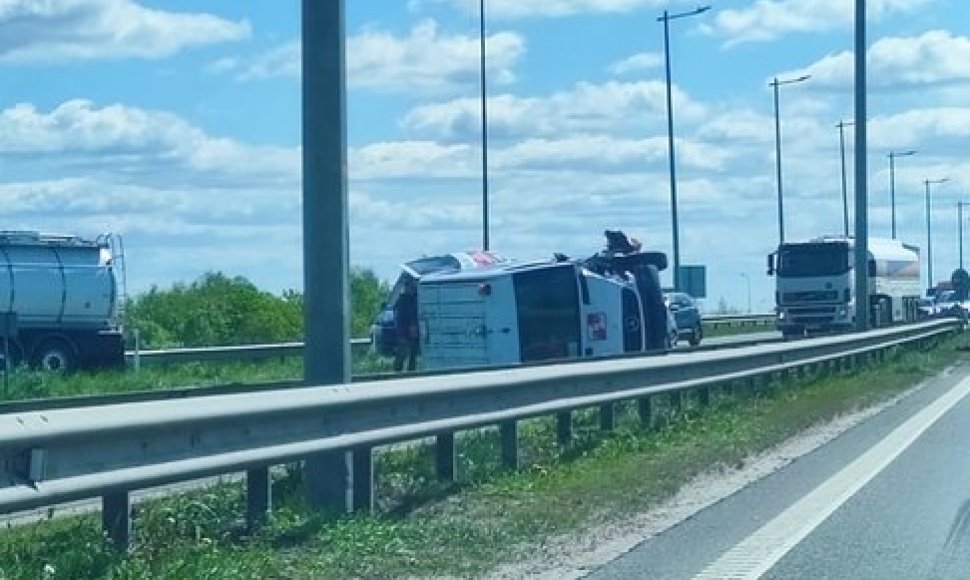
x: 697, y: 335
x: 16, y: 354
x: 55, y: 355
x: 887, y: 312
x: 655, y: 311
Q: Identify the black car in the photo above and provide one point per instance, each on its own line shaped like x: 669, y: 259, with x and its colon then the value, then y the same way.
x: 687, y: 316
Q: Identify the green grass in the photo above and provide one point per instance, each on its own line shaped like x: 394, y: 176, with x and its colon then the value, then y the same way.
x: 25, y: 384
x: 426, y: 529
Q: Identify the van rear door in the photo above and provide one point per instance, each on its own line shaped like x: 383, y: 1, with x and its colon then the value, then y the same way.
x: 452, y: 319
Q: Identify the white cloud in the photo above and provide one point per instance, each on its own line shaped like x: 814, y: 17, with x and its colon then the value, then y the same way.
x: 587, y: 107
x: 122, y: 139
x: 638, y: 62
x: 766, y: 20
x: 516, y: 9
x: 603, y: 152
x: 413, y: 159
x: 426, y: 60
x: 33, y: 31
x: 935, y: 57
x: 939, y: 128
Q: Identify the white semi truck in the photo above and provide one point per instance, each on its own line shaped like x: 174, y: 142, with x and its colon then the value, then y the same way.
x: 815, y: 284
x: 529, y: 312
x: 61, y: 294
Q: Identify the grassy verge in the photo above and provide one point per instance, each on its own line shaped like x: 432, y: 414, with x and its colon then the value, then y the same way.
x: 24, y: 384
x: 492, y: 517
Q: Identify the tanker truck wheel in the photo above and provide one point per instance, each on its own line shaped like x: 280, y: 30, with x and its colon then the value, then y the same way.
x: 16, y: 354
x: 55, y: 355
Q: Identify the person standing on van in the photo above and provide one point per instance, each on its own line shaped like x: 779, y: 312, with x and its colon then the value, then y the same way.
x: 406, y: 321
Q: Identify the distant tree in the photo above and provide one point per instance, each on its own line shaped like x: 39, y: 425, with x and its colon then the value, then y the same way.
x: 218, y: 310
x: 212, y: 311
x: 368, y: 293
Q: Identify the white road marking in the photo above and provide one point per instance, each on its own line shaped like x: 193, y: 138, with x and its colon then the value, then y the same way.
x: 760, y: 551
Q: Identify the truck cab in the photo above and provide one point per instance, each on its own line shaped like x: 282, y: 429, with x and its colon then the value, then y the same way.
x: 815, y: 286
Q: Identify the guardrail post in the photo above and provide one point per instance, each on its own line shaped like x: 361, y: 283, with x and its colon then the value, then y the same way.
x: 258, y: 496
x: 444, y: 447
x: 328, y: 480
x: 362, y: 478
x: 136, y: 360
x: 648, y: 419
x: 704, y: 396
x: 564, y: 428
x: 608, y: 417
x: 509, y: 431
x: 116, y: 519
x: 677, y: 402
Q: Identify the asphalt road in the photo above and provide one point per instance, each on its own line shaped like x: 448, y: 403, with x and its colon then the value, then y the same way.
x: 890, y: 498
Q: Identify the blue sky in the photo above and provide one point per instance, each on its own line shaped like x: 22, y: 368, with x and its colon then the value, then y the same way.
x: 177, y: 124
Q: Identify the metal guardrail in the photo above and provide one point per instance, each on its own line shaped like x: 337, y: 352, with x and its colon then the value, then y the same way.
x: 738, y: 320
x: 54, y: 456
x: 238, y: 353
x: 255, y: 352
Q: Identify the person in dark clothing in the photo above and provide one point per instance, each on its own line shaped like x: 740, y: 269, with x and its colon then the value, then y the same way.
x: 406, y: 321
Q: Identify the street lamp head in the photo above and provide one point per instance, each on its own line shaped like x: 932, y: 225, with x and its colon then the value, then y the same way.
x: 776, y: 83
x: 667, y: 16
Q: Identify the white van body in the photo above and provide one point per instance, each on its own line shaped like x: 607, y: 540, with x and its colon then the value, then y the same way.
x: 513, y: 314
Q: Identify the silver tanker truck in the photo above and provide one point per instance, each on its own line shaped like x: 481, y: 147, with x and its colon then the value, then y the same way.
x: 59, y: 300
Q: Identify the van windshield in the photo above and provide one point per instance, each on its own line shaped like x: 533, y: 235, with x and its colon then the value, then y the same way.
x: 431, y: 264
x: 803, y: 260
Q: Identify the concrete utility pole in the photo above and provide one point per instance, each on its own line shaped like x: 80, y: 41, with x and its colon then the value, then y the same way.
x: 329, y: 477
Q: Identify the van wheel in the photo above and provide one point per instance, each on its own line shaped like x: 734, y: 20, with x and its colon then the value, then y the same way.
x: 55, y: 355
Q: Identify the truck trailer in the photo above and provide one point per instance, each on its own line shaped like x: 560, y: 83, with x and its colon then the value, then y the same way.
x: 815, y: 284
x: 60, y: 294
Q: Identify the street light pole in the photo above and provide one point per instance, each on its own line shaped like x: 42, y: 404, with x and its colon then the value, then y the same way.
x: 892, y: 182
x: 666, y: 18
x: 960, y: 205
x: 845, y: 196
x: 929, y: 231
x: 775, y: 83
x: 748, y: 280
x: 861, y: 249
x: 484, y: 87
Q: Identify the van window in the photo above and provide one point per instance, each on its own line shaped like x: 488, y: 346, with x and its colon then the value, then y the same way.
x: 548, y: 313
